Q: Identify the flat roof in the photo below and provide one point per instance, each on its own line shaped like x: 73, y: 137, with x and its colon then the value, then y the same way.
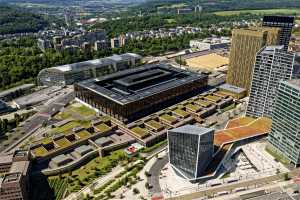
x: 191, y: 129
x: 60, y: 158
x: 295, y: 83
x: 279, y: 19
x: 271, y: 49
x: 103, y: 140
x: 232, y: 88
x: 83, y: 148
x: 138, y: 83
x: 97, y: 62
x: 21, y: 87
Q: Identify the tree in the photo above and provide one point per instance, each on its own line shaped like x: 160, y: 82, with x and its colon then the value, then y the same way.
x: 135, y: 191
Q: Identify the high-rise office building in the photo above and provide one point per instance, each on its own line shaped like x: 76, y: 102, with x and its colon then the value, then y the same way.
x: 284, y: 136
x: 286, y: 24
x: 190, y: 150
x: 244, y: 46
x: 272, y: 65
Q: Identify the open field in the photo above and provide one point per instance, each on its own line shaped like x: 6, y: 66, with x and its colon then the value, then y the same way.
x: 266, y: 11
x: 208, y: 62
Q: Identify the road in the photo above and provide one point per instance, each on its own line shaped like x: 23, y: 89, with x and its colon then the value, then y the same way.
x: 256, y: 182
x: 155, y: 172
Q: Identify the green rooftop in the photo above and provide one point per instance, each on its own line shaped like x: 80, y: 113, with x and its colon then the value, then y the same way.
x: 168, y: 118
x: 40, y: 151
x: 193, y: 107
x: 140, y: 132
x: 83, y: 134
x: 181, y: 113
x: 154, y: 124
x: 102, y: 127
x: 63, y: 142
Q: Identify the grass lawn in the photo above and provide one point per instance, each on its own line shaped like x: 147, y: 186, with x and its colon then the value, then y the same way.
x: 170, y: 21
x: 75, y: 110
x: 82, y: 109
x: 265, y: 11
x: 276, y: 155
x: 230, y: 107
x: 69, y: 126
x: 90, y: 171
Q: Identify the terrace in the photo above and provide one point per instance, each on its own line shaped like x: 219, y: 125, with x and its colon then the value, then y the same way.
x: 255, y: 128
x: 83, y: 134
x: 203, y: 103
x: 102, y: 127
x: 243, y: 121
x: 63, y: 142
x: 140, y: 132
x: 40, y: 151
x: 154, y: 125
x: 181, y: 113
x: 213, y: 98
x: 193, y: 108
x: 167, y: 118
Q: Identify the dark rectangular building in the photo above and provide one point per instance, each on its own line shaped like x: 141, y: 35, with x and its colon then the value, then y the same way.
x: 131, y: 94
x: 286, y: 24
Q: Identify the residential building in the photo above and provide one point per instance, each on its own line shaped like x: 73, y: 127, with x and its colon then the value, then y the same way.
x: 44, y: 44
x: 210, y: 43
x: 286, y: 24
x: 244, y: 46
x: 190, y: 150
x: 134, y: 93
x: 71, y: 73
x: 272, y: 65
x: 284, y: 136
x: 14, y: 182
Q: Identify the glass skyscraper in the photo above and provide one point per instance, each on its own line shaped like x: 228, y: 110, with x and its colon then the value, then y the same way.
x: 190, y: 150
x: 285, y: 132
x: 272, y: 65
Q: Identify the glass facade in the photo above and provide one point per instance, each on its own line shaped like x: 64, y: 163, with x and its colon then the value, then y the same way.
x: 190, y: 153
x: 272, y: 65
x: 285, y: 132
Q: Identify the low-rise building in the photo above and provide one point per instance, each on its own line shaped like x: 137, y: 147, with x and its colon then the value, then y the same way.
x: 210, y: 43
x: 72, y: 73
x: 59, y: 161
x: 234, y: 91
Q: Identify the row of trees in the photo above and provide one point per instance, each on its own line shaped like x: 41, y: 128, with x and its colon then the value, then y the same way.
x: 128, y: 24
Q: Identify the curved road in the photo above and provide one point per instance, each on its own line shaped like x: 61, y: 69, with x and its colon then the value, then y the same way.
x: 155, y: 172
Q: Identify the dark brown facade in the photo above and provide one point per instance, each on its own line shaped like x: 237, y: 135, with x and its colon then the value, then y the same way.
x: 143, y: 106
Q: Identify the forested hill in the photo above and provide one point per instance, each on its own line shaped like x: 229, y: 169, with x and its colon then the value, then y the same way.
x: 14, y: 20
x: 218, y: 5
